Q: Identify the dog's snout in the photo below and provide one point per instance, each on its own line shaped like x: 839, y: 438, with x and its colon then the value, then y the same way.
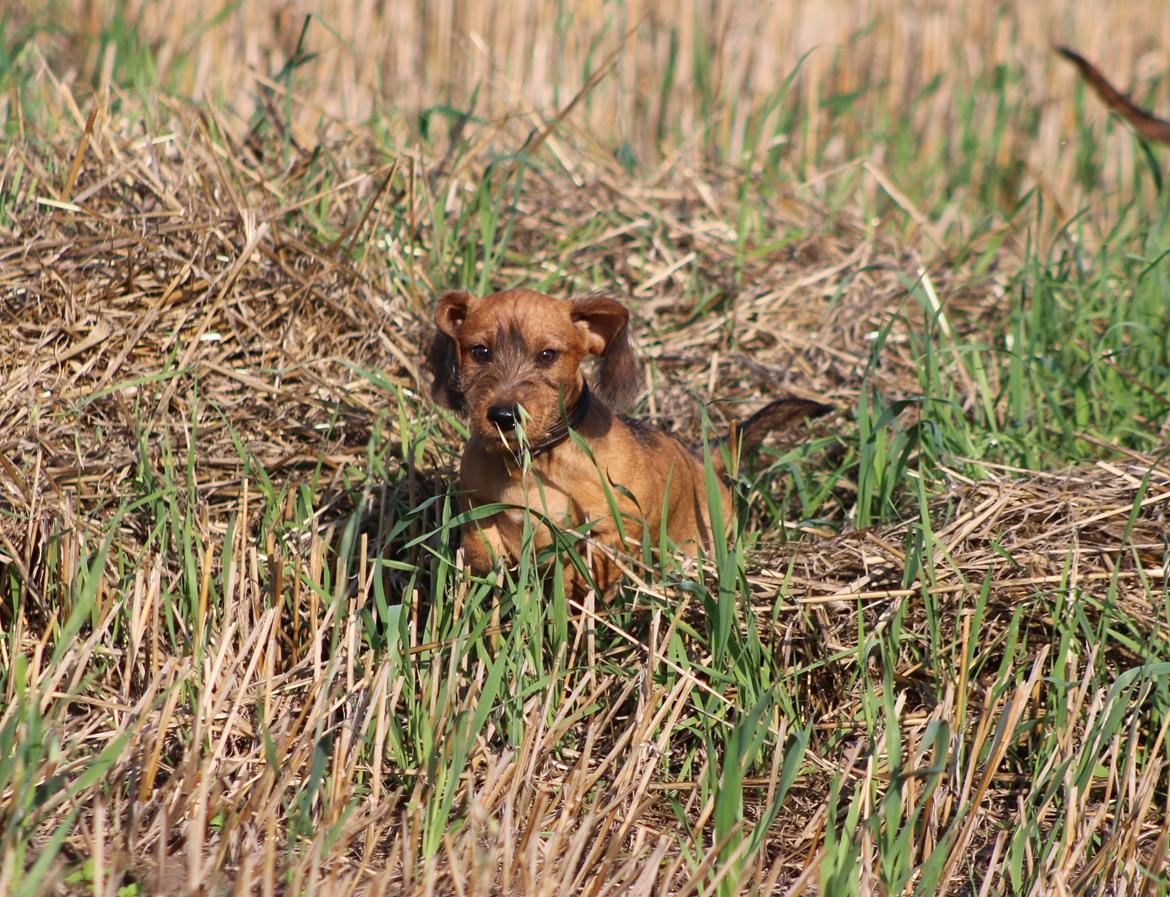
x: 504, y: 416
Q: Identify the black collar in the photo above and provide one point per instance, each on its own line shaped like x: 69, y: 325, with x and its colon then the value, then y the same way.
x: 559, y: 431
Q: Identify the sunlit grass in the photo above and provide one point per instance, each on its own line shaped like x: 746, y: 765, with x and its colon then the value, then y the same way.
x: 238, y: 648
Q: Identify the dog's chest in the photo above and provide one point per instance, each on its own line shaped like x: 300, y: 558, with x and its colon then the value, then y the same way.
x: 537, y: 501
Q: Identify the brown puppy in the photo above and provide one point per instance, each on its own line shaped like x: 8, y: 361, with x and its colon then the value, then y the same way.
x: 512, y: 363
x: 1149, y: 126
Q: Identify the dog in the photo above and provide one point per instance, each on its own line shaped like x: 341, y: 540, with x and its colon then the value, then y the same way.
x: 1149, y: 126
x: 512, y: 364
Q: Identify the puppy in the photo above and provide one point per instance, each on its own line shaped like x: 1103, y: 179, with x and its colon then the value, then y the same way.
x: 1149, y: 126
x: 511, y: 363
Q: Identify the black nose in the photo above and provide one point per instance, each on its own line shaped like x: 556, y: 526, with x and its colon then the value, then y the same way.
x: 504, y: 416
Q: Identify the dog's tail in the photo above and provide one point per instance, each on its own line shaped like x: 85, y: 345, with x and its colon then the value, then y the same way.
x: 780, y: 416
x: 1149, y: 126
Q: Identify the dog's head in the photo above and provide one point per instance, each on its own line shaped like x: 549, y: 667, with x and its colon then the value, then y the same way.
x: 514, y: 358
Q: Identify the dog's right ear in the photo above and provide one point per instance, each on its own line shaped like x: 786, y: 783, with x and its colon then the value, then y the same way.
x: 451, y: 311
x: 442, y: 357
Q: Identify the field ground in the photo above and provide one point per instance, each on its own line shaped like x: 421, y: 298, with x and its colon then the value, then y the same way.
x: 237, y: 652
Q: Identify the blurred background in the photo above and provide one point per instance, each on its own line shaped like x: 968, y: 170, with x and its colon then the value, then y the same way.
x: 960, y: 102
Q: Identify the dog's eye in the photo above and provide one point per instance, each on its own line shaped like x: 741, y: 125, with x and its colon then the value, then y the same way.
x: 548, y: 356
x: 481, y: 353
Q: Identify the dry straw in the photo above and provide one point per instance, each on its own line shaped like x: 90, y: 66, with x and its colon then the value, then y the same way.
x: 195, y: 293
x: 170, y: 261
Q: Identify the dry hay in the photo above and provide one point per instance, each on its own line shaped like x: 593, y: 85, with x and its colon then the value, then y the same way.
x: 1101, y: 533
x: 170, y: 279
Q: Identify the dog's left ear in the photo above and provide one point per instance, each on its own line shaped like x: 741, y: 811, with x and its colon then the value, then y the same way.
x: 442, y: 357
x: 603, y: 323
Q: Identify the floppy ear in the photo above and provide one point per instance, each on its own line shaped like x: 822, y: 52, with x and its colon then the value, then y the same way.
x: 603, y: 324
x: 442, y: 357
x: 451, y: 311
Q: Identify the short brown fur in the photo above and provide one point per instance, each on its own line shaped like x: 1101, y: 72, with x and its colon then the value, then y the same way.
x: 522, y: 349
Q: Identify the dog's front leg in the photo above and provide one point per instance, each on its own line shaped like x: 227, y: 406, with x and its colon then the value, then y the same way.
x: 597, y: 552
x: 483, y: 546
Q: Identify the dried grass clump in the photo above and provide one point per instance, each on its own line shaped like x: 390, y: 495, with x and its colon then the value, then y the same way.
x: 1100, y: 533
x: 174, y: 279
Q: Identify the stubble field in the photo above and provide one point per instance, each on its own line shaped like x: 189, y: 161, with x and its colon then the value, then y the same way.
x: 238, y: 653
